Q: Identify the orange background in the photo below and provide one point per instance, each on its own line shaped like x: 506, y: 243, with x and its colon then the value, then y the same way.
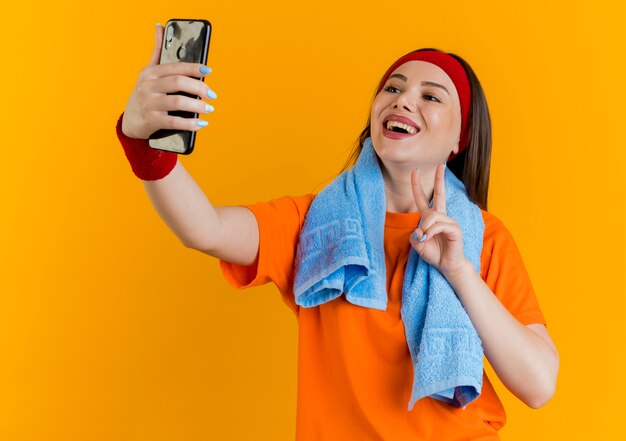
x: 111, y: 329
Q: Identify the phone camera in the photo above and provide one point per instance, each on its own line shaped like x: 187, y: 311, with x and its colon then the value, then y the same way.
x: 169, y: 36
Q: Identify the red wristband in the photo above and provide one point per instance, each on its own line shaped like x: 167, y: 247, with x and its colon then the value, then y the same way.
x: 147, y: 163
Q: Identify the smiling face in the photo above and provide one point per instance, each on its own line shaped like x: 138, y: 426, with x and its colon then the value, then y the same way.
x: 418, y: 98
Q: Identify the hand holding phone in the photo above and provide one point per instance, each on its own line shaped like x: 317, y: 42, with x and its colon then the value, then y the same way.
x: 153, y: 110
x: 183, y: 41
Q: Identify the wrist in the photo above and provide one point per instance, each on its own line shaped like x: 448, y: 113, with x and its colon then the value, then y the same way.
x: 124, y: 128
x: 148, y: 164
x: 464, y: 270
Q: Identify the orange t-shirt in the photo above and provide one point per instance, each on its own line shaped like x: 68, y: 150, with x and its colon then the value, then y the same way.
x: 354, y: 367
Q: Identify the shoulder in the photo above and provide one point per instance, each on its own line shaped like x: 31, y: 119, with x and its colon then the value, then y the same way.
x: 492, y: 223
x: 281, y: 217
x: 495, y: 230
x: 504, y: 271
x: 284, y: 206
x: 499, y: 247
x: 300, y: 203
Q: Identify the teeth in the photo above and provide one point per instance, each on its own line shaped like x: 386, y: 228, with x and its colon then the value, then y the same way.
x: 412, y: 130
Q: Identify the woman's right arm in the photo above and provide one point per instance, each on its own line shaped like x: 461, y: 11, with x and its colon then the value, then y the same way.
x: 228, y: 233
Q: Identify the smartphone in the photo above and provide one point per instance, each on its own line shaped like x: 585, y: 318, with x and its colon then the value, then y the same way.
x: 183, y: 40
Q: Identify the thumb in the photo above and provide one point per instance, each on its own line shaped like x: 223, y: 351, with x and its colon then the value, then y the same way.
x: 158, y: 40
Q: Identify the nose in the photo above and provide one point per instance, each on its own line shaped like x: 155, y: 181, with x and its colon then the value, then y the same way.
x: 404, y: 101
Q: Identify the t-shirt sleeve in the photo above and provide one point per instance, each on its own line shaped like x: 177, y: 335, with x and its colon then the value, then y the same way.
x: 279, y: 221
x: 504, y: 272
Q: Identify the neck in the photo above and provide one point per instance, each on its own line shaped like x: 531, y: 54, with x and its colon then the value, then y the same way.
x: 398, y: 191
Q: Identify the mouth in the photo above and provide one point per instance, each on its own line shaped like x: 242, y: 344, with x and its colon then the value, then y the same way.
x: 399, y: 127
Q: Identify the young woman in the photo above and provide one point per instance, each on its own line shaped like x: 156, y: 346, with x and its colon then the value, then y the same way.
x: 355, y: 366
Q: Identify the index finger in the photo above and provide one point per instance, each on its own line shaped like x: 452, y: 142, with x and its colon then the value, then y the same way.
x: 158, y: 40
x: 439, y: 193
x: 195, y: 70
x: 418, y: 192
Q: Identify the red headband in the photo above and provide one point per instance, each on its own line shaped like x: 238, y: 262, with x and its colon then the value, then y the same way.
x: 457, y: 74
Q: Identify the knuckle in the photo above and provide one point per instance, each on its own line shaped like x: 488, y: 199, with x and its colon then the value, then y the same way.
x: 179, y: 82
x: 182, y: 123
x: 171, y: 123
x: 146, y: 72
x: 177, y: 101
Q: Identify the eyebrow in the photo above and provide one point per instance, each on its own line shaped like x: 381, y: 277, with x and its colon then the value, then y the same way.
x: 424, y: 83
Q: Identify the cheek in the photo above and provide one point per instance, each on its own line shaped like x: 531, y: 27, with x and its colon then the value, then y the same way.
x: 375, y: 115
x: 376, y: 107
x: 446, y: 121
x: 458, y: 122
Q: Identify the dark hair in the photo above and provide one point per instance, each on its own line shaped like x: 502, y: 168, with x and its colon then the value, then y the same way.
x: 472, y: 165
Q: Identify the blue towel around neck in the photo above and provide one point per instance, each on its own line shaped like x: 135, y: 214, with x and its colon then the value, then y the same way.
x: 341, y: 250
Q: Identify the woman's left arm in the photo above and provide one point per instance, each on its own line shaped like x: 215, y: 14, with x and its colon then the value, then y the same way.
x: 524, y: 357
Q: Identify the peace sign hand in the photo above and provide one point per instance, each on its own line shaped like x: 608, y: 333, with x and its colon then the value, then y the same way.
x: 439, y: 241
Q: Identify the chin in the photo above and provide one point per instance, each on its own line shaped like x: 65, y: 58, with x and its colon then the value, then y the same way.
x: 391, y: 153
x: 385, y: 146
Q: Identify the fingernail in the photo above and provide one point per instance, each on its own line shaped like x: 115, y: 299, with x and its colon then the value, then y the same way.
x: 158, y: 24
x: 211, y: 94
x: 423, y: 237
x: 209, y: 108
x: 203, y: 123
x: 205, y: 70
x: 444, y: 165
x: 417, y: 169
x: 415, y: 234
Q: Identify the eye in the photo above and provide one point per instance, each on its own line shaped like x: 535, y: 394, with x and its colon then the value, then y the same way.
x: 431, y: 96
x: 387, y: 89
